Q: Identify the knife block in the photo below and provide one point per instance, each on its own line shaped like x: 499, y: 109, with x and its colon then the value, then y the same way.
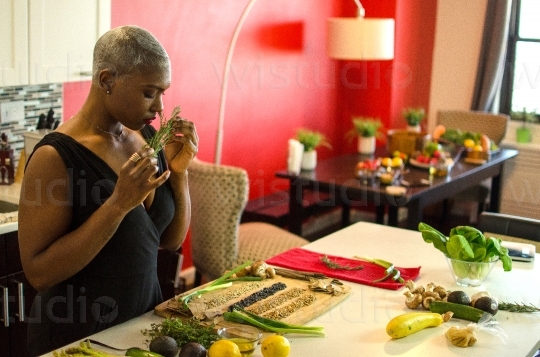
x: 7, y: 172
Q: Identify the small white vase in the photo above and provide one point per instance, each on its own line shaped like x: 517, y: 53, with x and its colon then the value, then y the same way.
x: 414, y: 128
x: 366, y: 145
x: 309, y: 160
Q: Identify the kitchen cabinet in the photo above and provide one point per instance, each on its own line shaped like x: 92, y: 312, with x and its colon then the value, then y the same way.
x: 50, y: 41
x: 16, y: 297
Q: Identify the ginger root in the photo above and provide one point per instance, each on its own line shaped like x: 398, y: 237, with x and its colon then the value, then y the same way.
x: 461, y: 336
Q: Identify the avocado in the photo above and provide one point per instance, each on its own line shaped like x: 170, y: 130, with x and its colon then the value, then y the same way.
x: 164, y: 345
x: 192, y: 349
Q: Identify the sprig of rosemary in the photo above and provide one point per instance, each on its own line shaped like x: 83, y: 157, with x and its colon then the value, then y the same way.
x: 515, y: 307
x: 165, y: 131
x: 336, y: 266
x: 183, y: 331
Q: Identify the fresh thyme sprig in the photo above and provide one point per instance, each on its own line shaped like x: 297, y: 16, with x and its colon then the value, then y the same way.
x: 165, y: 131
x: 515, y: 307
x: 334, y: 265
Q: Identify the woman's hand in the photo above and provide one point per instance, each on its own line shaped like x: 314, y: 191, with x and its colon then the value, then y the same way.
x: 183, y: 146
x: 137, y: 179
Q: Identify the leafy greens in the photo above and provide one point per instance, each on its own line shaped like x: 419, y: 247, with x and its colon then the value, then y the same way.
x: 466, y: 243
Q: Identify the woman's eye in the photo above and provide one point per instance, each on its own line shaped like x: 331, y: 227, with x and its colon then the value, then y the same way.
x: 150, y: 95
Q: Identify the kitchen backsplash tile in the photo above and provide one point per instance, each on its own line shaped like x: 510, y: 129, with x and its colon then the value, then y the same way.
x: 38, y: 99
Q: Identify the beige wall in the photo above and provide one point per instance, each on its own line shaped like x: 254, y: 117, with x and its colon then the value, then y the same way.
x: 455, y: 57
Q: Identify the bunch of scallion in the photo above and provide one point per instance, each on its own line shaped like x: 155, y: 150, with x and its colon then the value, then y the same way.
x: 224, y: 281
x: 246, y: 317
x: 165, y: 131
x: 84, y: 349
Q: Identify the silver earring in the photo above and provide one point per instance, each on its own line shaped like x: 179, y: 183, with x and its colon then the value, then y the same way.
x: 108, y: 92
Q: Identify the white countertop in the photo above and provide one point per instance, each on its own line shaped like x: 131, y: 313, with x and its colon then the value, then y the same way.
x: 357, y: 325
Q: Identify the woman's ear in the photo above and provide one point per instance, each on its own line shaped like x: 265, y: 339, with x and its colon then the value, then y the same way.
x: 106, y: 80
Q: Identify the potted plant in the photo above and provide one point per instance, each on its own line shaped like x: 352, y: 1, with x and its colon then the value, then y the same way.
x: 311, y: 141
x: 523, y: 133
x: 366, y: 129
x: 414, y: 116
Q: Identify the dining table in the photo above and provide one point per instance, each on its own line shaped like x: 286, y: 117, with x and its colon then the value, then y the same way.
x: 338, y: 177
x: 357, y: 325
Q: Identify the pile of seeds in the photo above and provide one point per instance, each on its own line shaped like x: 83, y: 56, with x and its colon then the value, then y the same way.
x: 233, y: 293
x: 275, y: 301
x: 257, y: 296
x: 290, y: 308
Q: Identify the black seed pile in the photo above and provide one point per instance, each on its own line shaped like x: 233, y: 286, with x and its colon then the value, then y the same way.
x: 257, y: 296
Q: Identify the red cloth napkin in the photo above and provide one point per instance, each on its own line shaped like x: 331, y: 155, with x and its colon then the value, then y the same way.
x: 308, y: 261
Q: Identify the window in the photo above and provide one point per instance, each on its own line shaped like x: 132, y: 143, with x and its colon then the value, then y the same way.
x: 521, y: 83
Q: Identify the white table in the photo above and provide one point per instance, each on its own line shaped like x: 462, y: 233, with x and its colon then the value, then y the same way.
x: 356, y: 327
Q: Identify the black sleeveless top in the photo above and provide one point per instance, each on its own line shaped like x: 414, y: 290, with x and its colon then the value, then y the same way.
x: 121, y: 282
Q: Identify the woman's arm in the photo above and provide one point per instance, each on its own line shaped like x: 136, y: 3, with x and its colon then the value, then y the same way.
x: 174, y: 235
x: 50, y: 252
x: 179, y: 153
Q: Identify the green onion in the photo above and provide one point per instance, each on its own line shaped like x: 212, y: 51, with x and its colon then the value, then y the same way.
x: 220, y: 283
x: 390, y: 272
x: 245, y: 317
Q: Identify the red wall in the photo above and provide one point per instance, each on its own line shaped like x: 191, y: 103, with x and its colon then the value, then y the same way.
x: 281, y: 79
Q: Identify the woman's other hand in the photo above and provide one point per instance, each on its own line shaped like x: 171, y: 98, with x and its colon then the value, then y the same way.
x: 137, y: 179
x: 183, y: 146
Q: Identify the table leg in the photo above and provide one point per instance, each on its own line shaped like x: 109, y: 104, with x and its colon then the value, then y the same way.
x: 379, y: 214
x: 415, y: 214
x: 494, y: 200
x: 393, y: 215
x: 296, y: 213
x: 345, y: 214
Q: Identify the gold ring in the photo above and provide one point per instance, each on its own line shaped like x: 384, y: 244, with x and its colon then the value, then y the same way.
x: 135, y: 158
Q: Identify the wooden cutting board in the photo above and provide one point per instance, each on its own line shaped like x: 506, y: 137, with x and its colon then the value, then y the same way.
x: 323, y: 301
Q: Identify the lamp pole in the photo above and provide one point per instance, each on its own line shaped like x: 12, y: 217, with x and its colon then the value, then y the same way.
x: 225, y: 82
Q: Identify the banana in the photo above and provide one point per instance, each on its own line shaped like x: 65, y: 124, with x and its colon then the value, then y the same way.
x: 411, y: 322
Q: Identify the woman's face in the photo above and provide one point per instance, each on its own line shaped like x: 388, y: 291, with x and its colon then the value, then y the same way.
x: 136, y: 99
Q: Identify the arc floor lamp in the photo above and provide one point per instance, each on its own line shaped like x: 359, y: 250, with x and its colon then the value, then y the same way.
x: 353, y: 38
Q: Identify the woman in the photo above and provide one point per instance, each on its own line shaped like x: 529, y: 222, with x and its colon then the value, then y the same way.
x: 96, y: 204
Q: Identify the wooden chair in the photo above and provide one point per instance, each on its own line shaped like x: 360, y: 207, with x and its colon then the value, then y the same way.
x: 219, y: 242
x: 511, y: 228
x: 494, y: 126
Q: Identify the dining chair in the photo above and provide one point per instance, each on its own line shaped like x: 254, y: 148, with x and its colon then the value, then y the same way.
x: 511, y: 228
x: 219, y: 194
x: 491, y: 124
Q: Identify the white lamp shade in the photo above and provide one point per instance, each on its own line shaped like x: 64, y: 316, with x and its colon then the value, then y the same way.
x: 360, y: 38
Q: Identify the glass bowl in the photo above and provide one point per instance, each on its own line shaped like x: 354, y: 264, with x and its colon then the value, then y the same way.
x: 470, y: 273
x: 245, y: 337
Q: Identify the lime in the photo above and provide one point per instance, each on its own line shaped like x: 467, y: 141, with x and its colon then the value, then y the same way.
x: 224, y: 348
x: 275, y: 346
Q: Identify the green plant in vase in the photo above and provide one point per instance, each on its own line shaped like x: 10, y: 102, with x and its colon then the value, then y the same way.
x: 413, y: 117
x: 523, y: 133
x: 311, y: 141
x: 366, y: 129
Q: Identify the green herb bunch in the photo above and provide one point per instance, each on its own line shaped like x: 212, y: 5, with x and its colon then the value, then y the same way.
x: 165, y: 131
x: 467, y: 244
x: 366, y: 127
x: 311, y: 139
x: 414, y: 116
x: 183, y: 331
